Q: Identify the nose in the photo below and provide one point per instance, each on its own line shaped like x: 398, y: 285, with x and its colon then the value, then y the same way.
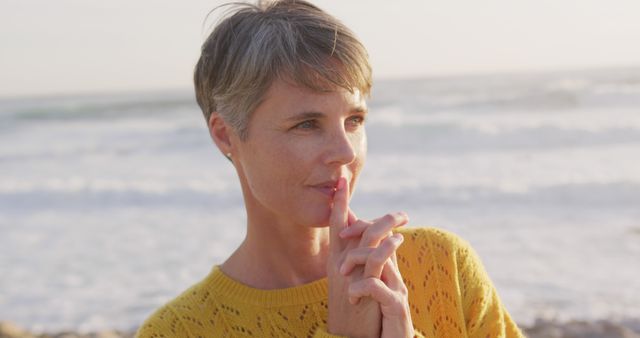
x: 342, y: 147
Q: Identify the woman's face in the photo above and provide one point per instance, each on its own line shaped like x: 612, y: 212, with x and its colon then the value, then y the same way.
x: 299, y: 143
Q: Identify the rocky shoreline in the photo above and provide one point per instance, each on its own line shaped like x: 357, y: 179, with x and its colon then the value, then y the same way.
x: 12, y: 330
x: 541, y: 329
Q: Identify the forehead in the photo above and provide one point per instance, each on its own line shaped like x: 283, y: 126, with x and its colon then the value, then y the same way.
x: 289, y: 97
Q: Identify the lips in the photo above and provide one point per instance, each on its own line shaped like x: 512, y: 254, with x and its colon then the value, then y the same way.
x: 327, y: 188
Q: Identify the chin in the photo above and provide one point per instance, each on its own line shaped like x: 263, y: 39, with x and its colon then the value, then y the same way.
x: 320, y: 225
x: 317, y: 218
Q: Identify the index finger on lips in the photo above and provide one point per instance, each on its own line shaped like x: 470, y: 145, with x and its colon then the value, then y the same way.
x: 339, y: 214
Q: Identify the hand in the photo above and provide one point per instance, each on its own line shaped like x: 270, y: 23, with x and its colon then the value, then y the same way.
x: 342, y: 314
x: 382, y: 280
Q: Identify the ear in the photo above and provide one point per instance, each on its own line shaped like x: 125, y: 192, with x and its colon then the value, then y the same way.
x: 220, y: 133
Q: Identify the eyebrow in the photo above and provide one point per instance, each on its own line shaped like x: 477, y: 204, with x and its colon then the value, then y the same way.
x: 306, y: 115
x: 315, y: 115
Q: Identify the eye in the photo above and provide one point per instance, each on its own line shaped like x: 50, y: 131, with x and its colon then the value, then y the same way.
x: 355, y: 121
x: 307, y: 125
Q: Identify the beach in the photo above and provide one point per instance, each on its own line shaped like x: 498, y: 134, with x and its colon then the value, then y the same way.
x: 112, y: 204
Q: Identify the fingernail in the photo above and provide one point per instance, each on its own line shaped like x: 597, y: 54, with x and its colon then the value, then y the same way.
x: 343, y: 269
x: 341, y: 182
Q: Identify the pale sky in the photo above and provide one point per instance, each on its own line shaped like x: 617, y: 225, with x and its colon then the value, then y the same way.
x: 78, y: 46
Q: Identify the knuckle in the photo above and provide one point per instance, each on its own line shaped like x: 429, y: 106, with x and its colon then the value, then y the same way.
x: 369, y: 238
x: 386, y: 249
x: 391, y: 243
x: 373, y: 236
x: 371, y: 283
x: 397, y: 302
x: 347, y: 261
x: 404, y: 291
x: 395, y: 246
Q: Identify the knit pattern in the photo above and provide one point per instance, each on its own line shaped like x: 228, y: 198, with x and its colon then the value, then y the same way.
x: 450, y: 295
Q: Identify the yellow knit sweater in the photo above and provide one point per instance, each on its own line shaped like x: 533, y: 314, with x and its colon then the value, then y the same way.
x: 450, y: 295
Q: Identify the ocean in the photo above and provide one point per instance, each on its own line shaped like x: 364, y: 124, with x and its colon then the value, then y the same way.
x: 112, y: 204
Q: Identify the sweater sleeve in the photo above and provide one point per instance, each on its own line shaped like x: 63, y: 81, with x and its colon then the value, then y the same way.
x: 485, y: 315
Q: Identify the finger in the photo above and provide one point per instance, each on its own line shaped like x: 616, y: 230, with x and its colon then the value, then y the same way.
x: 394, y: 257
x: 355, y: 229
x: 374, y: 288
x: 357, y: 256
x: 381, y: 229
x: 394, y: 262
x: 379, y: 257
x: 373, y: 258
x: 392, y: 278
x: 338, y: 216
x: 352, y: 218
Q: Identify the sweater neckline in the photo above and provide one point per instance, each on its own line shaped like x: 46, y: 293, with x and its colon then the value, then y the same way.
x: 226, y: 287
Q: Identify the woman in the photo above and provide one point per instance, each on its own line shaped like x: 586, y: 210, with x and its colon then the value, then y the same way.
x: 282, y: 86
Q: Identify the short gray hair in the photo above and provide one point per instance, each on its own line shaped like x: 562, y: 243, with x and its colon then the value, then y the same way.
x: 286, y: 39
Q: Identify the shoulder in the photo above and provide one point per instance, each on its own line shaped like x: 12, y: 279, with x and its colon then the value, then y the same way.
x: 173, y: 318
x: 433, y: 240
x: 164, y: 322
x: 437, y: 252
x: 429, y: 232
x: 444, y: 275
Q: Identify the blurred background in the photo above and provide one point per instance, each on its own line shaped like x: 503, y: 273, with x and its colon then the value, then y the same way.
x: 513, y: 124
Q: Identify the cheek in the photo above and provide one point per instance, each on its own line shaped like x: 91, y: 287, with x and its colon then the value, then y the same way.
x: 363, y: 148
x: 360, y: 145
x: 273, y: 170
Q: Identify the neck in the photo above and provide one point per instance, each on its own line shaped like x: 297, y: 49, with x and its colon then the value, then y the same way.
x: 276, y: 255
